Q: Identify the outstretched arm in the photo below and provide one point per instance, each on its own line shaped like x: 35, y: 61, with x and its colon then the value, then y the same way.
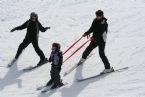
x: 90, y: 30
x: 21, y: 27
x: 41, y: 28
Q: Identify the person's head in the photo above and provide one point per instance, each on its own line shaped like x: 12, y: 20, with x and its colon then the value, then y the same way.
x: 56, y: 47
x: 33, y: 16
x: 99, y: 14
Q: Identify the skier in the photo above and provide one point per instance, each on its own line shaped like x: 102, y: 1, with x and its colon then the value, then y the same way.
x: 56, y: 58
x: 99, y: 29
x: 33, y: 26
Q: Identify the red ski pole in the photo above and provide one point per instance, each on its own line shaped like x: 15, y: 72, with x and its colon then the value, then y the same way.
x: 72, y: 45
x: 76, y: 51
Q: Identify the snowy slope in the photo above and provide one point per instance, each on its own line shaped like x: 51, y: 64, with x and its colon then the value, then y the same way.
x: 69, y: 19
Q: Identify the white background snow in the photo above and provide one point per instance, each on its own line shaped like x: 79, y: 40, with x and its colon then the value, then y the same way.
x: 68, y: 20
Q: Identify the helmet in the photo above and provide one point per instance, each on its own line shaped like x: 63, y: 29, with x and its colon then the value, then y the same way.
x: 33, y: 14
x: 57, y: 45
x: 99, y: 13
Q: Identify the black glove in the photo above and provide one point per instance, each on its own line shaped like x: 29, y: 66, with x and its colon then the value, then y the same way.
x: 85, y: 34
x: 46, y: 28
x: 13, y: 30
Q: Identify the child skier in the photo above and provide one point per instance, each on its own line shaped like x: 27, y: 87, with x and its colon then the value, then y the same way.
x: 56, y: 58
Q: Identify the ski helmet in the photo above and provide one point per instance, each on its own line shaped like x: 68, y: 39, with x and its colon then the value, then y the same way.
x: 99, y: 13
x: 57, y: 45
x: 33, y: 14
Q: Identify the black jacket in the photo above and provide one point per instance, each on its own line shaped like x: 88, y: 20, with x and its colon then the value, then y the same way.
x: 56, y: 59
x: 32, y: 29
x: 99, y: 29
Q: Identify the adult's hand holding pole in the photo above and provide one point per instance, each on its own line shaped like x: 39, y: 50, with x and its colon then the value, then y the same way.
x: 13, y: 30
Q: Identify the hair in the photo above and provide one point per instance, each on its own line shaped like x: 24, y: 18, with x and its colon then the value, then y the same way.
x: 57, y: 45
x: 99, y: 13
x: 34, y: 14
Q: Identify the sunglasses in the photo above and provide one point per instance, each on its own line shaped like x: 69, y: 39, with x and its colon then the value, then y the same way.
x: 34, y: 17
x: 53, y: 48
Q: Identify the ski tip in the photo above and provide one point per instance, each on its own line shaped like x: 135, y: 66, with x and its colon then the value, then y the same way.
x: 8, y: 66
x: 64, y: 74
x: 79, y: 80
x: 43, y: 92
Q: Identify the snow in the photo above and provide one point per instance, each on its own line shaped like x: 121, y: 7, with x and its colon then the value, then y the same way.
x: 69, y: 19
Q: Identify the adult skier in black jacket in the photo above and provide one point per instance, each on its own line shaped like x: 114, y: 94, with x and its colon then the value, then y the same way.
x: 99, y: 29
x: 33, y: 26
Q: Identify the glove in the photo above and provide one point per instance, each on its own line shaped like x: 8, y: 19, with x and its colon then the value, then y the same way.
x: 85, y: 35
x: 93, y: 40
x: 88, y: 36
x: 13, y: 30
x: 46, y: 28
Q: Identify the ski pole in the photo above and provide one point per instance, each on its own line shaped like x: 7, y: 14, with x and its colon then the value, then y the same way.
x: 74, y: 67
x: 76, y: 51
x: 72, y: 45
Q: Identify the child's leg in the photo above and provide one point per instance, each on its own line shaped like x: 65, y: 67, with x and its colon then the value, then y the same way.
x: 57, y: 80
x: 50, y: 82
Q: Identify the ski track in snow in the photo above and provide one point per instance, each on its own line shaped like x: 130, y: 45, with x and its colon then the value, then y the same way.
x: 68, y: 20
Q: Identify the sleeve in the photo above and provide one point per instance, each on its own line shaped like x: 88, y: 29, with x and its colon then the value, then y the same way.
x: 105, y: 31
x: 50, y: 59
x: 91, y: 29
x: 41, y: 28
x: 21, y: 27
x: 61, y: 58
x: 106, y: 27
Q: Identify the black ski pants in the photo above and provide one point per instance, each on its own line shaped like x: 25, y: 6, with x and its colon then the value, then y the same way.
x: 25, y: 43
x: 55, y: 75
x: 101, y: 46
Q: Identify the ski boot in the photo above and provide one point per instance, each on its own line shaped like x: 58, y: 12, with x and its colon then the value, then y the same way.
x: 49, y: 83
x: 41, y: 62
x: 107, y: 70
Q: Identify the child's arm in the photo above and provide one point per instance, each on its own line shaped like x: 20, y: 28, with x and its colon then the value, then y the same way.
x: 50, y: 59
x: 61, y: 58
x: 58, y: 60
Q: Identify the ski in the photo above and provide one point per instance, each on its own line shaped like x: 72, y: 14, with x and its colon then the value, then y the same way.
x: 34, y: 67
x: 41, y: 87
x: 9, y: 65
x: 49, y: 89
x: 44, y: 87
x: 117, y: 70
x: 30, y: 68
x: 13, y: 62
x: 74, y: 67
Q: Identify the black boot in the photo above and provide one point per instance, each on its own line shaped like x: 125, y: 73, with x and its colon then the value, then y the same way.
x: 59, y: 84
x: 54, y: 87
x: 49, y: 83
x: 42, y: 61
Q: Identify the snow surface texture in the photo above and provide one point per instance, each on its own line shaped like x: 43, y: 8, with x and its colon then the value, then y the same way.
x: 69, y: 19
